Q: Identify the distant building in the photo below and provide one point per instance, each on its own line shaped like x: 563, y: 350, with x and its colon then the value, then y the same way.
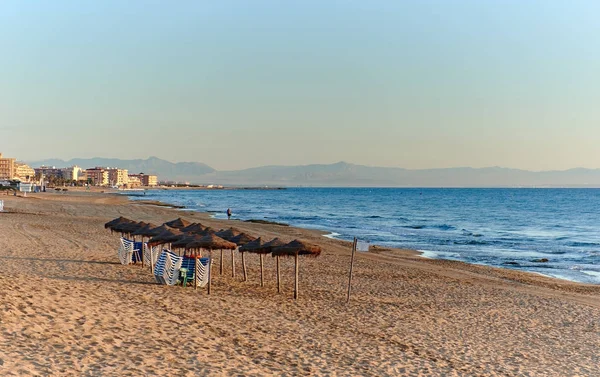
x: 7, y: 167
x: 118, y: 177
x: 72, y: 174
x: 48, y: 171
x: 134, y: 181
x: 97, y: 176
x: 145, y: 179
x: 23, y: 172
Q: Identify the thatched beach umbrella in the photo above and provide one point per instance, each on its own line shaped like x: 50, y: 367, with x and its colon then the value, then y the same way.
x: 296, y: 248
x: 178, y: 223
x: 115, y: 224
x: 261, y: 248
x: 193, y: 228
x: 212, y: 242
x: 183, y: 241
x: 144, y: 231
x: 158, y: 230
x: 167, y: 236
x: 208, y: 230
x: 228, y: 234
x: 240, y: 240
x: 116, y: 221
x: 125, y: 227
x: 134, y: 227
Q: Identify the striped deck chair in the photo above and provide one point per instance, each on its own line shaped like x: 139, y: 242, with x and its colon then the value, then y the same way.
x: 126, y: 250
x: 171, y: 274
x: 201, y: 272
x: 159, y: 267
x: 147, y: 254
x: 167, y: 268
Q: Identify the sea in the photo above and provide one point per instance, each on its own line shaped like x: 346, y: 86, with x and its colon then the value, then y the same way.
x: 516, y: 228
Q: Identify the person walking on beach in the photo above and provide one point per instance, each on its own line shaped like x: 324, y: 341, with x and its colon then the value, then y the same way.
x: 228, y: 213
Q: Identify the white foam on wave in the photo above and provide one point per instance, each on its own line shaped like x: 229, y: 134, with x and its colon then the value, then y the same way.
x: 332, y: 235
x: 428, y: 254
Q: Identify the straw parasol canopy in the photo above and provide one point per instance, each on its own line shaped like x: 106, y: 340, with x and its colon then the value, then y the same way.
x: 296, y: 248
x: 158, y: 230
x: 242, y: 239
x: 212, y: 242
x: 178, y: 223
x: 136, y: 226
x: 228, y: 234
x: 115, y: 224
x: 144, y: 231
x: 258, y: 246
x: 208, y: 230
x: 116, y: 221
x: 125, y: 226
x: 184, y: 240
x: 193, y: 228
x: 166, y: 236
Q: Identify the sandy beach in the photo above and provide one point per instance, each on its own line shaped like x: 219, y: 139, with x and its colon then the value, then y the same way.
x: 69, y: 308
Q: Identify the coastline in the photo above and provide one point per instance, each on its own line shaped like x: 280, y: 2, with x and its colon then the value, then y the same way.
x: 426, y: 254
x: 69, y: 308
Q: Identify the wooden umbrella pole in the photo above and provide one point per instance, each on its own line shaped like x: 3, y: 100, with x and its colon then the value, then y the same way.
x: 232, y: 264
x: 278, y: 276
x: 351, y: 266
x: 143, y: 252
x: 262, y: 284
x: 221, y: 266
x: 244, y: 265
x: 296, y: 283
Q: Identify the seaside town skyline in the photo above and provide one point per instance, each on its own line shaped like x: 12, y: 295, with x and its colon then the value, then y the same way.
x: 13, y: 170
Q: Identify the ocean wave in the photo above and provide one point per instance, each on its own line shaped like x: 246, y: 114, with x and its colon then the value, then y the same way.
x: 415, y: 226
x: 332, y: 235
x: 473, y: 242
x: 583, y: 244
x: 421, y: 226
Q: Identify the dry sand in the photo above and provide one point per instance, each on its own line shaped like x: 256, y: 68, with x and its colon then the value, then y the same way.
x: 68, y: 308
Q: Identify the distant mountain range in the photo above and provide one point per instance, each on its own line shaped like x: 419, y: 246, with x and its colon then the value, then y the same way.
x: 343, y: 174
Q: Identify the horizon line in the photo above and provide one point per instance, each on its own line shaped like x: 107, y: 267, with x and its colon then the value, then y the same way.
x: 314, y: 164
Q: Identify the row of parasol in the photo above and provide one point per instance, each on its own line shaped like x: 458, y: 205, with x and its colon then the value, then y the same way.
x: 192, y: 238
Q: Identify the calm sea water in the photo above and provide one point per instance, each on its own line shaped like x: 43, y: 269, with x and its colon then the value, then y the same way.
x: 508, y: 228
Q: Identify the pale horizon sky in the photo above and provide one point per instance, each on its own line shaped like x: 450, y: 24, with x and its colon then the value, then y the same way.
x: 238, y: 84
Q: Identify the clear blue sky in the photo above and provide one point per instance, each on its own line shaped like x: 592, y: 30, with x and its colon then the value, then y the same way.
x: 235, y: 84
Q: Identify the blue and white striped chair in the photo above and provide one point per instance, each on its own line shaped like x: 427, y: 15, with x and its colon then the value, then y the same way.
x: 126, y: 250
x: 201, y: 274
x: 167, y: 268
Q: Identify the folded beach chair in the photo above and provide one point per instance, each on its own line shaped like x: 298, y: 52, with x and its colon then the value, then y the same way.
x: 147, y: 256
x: 126, y: 251
x: 167, y: 268
x: 201, y: 274
x: 159, y: 268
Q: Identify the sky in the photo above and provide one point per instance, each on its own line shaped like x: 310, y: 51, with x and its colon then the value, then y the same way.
x: 238, y: 84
